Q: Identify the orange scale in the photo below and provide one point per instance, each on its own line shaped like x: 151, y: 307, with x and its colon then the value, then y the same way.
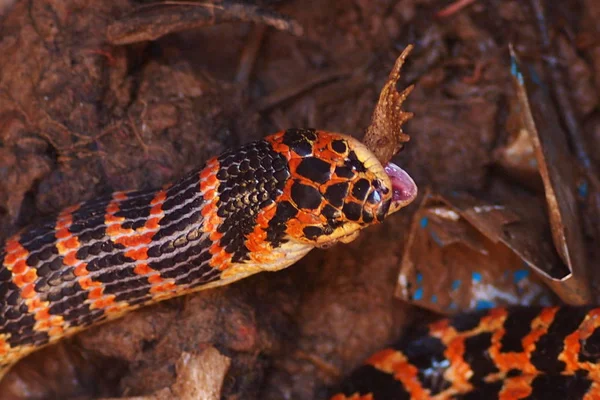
x: 120, y: 196
x: 28, y: 291
x: 593, y: 393
x: 42, y: 326
x: 115, y: 230
x: 263, y: 256
x: 71, y: 259
x: 30, y: 276
x: 309, y: 218
x: 12, y: 245
x: 112, y: 208
x: 116, y: 308
x: 570, y: 353
x: 516, y: 388
x: 62, y: 233
x: 211, y: 181
x: 36, y: 303
x: 142, y: 269
x: 154, y: 279
x: 208, y: 209
x: 42, y: 315
x: 87, y: 283
x: 18, y: 280
x: 355, y: 396
x: 295, y: 228
x: 103, y: 302
x: 459, y: 371
x: 210, y: 169
x: 330, y: 156
x: 19, y: 267
x: 394, y: 362
x: 440, y: 328
x: 138, y: 254
x: 96, y: 293
x: 165, y: 287
x: 214, y: 249
x: 293, y: 164
x: 214, y: 221
x: 210, y: 195
x: 10, y: 259
x: 80, y: 270
x: 258, y: 244
x: 160, y: 197
x: 222, y: 261
x: 215, y: 235
x: 64, y: 218
x: 153, y: 223
x: 56, y: 331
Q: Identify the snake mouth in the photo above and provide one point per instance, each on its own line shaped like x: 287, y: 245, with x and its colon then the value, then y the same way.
x: 404, y: 189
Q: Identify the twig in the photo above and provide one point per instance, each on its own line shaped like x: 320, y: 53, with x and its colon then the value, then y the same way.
x: 288, y: 92
x: 561, y: 94
x: 249, y: 54
x: 454, y: 8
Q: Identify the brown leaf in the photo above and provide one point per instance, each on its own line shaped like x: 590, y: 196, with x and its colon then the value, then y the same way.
x: 464, y: 253
x: 517, y: 157
x: 384, y: 136
x: 155, y: 20
x: 557, y: 169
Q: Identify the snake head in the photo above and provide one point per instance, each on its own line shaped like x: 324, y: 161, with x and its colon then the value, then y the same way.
x: 336, y: 187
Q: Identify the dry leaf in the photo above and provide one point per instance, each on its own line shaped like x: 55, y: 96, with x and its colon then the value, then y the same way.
x: 464, y: 254
x: 155, y: 20
x: 557, y: 169
x: 384, y: 136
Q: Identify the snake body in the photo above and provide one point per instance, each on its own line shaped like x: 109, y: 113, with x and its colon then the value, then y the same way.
x: 507, y: 354
x: 257, y: 208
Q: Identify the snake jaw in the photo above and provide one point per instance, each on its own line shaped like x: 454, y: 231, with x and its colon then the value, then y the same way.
x: 404, y: 188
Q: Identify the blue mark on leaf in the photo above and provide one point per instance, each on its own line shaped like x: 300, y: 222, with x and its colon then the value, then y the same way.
x: 514, y: 70
x: 476, y: 277
x: 456, y: 284
x: 418, y: 294
x: 436, y: 238
x: 484, y: 304
x: 424, y: 222
x: 519, y: 275
x: 419, y: 277
x: 582, y: 189
x: 434, y: 298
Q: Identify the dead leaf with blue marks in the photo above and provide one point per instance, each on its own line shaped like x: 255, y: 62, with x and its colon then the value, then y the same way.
x: 464, y: 254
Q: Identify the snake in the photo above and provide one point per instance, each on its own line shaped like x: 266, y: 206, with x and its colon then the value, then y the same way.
x: 540, y: 353
x: 260, y: 207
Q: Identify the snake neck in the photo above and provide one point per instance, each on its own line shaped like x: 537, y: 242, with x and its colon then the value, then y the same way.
x: 102, y: 258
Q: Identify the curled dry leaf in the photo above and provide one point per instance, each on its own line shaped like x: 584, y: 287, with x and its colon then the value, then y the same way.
x: 517, y: 158
x: 464, y: 253
x: 384, y: 136
x: 153, y: 21
x: 199, y: 376
x: 557, y: 169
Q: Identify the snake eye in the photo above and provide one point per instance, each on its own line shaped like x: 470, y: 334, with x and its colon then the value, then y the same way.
x: 374, y: 197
